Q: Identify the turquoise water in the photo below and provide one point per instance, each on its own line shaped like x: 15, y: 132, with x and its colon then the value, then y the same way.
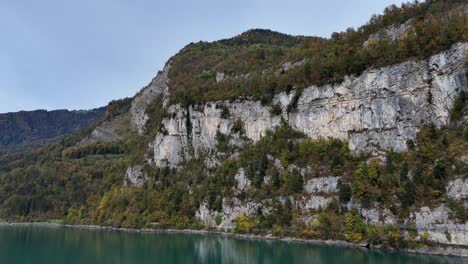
x: 50, y: 245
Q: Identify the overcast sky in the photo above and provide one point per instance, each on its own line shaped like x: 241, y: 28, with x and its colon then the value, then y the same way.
x: 81, y: 54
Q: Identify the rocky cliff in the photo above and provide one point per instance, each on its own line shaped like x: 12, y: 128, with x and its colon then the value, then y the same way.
x: 380, y: 110
x: 361, y: 137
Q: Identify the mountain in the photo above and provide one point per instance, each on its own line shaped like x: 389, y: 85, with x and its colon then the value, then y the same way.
x: 33, y: 127
x: 361, y: 137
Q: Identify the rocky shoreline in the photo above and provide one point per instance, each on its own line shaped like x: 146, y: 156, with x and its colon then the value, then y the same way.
x: 439, y: 250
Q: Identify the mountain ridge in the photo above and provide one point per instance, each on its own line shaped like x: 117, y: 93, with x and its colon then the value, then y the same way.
x: 24, y: 127
x: 360, y: 137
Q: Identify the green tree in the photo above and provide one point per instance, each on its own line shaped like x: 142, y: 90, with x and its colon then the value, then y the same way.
x: 354, y: 227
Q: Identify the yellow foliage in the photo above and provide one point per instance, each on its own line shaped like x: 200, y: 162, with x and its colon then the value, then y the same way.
x: 356, y: 237
x: 243, y: 224
x: 105, y: 199
x: 425, y: 236
x: 310, y: 233
x: 277, y: 230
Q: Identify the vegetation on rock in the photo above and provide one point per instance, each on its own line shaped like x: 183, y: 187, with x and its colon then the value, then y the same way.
x: 82, y: 183
x: 253, y: 63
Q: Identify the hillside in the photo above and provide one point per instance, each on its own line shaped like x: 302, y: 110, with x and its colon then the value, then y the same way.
x: 260, y: 63
x: 361, y: 137
x: 36, y: 127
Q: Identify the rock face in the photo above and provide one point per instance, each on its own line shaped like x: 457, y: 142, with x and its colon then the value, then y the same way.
x: 320, y: 192
x: 194, y: 129
x: 135, y: 176
x: 314, y: 202
x: 378, y: 217
x: 383, y: 107
x: 441, y: 229
x: 393, y: 32
x: 111, y: 130
x: 322, y: 185
x: 242, y: 181
x: 157, y: 87
x: 231, y: 210
x: 458, y: 189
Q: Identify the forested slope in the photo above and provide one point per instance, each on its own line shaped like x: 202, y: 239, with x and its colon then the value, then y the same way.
x: 360, y: 137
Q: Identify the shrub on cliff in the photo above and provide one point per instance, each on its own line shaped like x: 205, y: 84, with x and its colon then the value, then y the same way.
x: 243, y: 224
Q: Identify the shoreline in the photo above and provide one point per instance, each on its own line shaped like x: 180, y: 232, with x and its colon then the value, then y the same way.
x: 437, y: 250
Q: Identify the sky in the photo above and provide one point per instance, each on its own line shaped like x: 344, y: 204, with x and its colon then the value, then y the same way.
x: 81, y: 54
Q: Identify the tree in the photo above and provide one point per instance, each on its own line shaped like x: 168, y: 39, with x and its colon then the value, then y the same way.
x: 361, y: 186
x: 243, y: 224
x: 409, y: 195
x: 293, y: 182
x: 330, y: 225
x: 404, y: 172
x: 354, y: 227
x: 344, y: 192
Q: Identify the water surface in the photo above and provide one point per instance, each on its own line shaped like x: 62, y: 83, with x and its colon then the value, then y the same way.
x: 59, y: 245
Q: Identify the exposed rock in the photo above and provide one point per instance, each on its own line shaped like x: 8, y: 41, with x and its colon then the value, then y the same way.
x: 353, y: 204
x: 381, y: 107
x: 231, y: 210
x: 322, y: 185
x: 276, y: 162
x: 171, y: 148
x: 111, y: 130
x: 458, y: 189
x: 220, y: 76
x: 102, y: 134
x: 302, y: 171
x: 393, y: 32
x: 371, y: 215
x: 159, y: 86
x: 205, y: 122
x: 314, y: 202
x: 441, y: 229
x: 384, y: 106
x: 242, y: 181
x: 463, y: 159
x: 380, y: 217
x: 205, y: 215
x: 212, y: 162
x: 135, y: 176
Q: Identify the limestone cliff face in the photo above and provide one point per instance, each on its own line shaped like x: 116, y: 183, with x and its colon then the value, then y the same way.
x: 196, y: 128
x: 157, y: 87
x: 381, y: 107
x: 436, y: 222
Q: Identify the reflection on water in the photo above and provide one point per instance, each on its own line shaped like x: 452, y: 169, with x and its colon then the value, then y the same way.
x: 39, y: 244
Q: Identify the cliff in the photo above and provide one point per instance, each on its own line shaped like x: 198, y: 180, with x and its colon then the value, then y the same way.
x: 361, y: 137
x: 380, y: 110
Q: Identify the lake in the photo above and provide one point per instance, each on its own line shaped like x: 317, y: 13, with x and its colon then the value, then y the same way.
x: 40, y: 244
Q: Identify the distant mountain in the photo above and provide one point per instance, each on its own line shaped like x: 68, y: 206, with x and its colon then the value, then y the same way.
x: 34, y: 127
